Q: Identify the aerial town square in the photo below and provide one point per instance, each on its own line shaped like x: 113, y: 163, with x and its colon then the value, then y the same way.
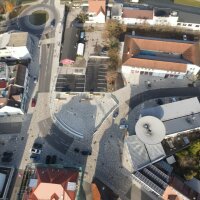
x: 99, y: 100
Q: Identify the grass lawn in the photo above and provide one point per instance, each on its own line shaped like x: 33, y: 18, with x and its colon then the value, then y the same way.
x: 195, y: 3
x: 38, y: 17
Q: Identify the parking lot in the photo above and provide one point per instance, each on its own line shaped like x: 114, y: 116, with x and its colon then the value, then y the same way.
x: 70, y: 82
x: 96, y: 75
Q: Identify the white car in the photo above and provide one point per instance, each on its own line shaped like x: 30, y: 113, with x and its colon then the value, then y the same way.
x: 35, y: 151
x: 123, y: 126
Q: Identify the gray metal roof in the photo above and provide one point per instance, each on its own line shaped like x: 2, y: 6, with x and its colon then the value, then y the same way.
x: 69, y: 48
x: 173, y: 110
x: 116, y: 10
x: 177, y: 116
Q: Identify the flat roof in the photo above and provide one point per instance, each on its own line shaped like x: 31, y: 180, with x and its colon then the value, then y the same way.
x: 18, y: 39
x: 177, y: 116
x: 4, y: 40
x: 141, y: 154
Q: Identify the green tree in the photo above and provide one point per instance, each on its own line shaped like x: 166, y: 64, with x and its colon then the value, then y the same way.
x: 189, y: 174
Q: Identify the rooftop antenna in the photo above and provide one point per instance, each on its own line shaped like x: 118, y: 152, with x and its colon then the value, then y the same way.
x: 147, y: 127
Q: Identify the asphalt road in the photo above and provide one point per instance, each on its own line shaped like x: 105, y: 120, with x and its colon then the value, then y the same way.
x: 160, y: 93
x: 46, y: 68
x: 170, y: 4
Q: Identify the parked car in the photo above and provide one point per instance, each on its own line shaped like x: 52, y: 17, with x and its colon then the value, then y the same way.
x: 37, y: 145
x: 35, y: 157
x: 6, y: 159
x: 115, y: 114
x: 86, y: 152
x: 35, y: 79
x: 123, y: 126
x: 36, y: 151
x: 172, y: 99
x: 159, y: 101
x: 76, y: 150
x: 48, y: 159
x: 7, y: 154
x: 82, y: 34
x: 53, y: 159
x: 33, y: 102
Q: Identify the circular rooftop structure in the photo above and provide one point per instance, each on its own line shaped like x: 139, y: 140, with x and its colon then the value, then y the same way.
x: 150, y: 130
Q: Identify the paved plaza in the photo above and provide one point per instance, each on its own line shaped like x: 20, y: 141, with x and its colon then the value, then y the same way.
x: 83, y: 113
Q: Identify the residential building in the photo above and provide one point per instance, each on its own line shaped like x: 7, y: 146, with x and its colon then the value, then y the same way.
x: 12, y: 97
x: 140, y: 14
x: 159, y: 57
x: 15, y: 46
x: 61, y: 183
x: 96, y: 11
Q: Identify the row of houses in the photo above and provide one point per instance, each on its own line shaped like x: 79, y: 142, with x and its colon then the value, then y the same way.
x: 14, y: 79
x: 98, y: 11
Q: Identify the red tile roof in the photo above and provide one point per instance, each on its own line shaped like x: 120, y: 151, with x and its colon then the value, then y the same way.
x: 95, y: 6
x: 136, y: 13
x: 54, y: 180
x: 3, y: 84
x: 189, y: 51
x: 156, y: 64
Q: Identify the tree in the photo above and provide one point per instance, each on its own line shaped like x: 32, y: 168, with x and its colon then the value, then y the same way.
x: 189, y: 174
x: 8, y: 6
x: 82, y: 17
x: 113, y: 28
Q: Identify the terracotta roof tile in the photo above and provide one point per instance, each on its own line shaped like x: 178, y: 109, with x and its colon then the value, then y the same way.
x: 156, y: 64
x: 55, y: 178
x: 95, y: 6
x: 139, y: 14
x: 189, y: 51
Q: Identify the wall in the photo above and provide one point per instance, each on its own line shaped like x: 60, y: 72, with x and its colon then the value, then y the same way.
x: 100, y: 18
x: 192, y: 69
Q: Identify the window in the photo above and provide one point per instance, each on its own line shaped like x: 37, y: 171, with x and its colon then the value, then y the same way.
x: 197, y: 26
x: 179, y: 24
x: 189, y: 24
x: 141, y: 72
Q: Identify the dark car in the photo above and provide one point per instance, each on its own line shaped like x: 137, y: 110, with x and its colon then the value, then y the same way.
x: 115, y: 114
x: 48, y: 159
x: 159, y: 101
x: 76, y: 150
x: 7, y: 154
x: 54, y: 159
x: 86, y: 152
x: 37, y: 145
x: 35, y: 157
x: 6, y: 159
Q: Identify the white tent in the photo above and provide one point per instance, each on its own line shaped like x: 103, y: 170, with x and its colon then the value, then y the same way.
x: 80, y: 49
